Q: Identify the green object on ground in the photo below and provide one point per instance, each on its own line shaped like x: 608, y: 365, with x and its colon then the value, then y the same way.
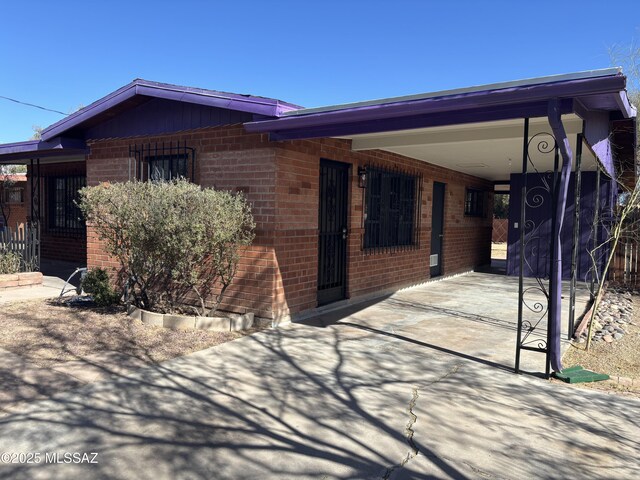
x: 577, y: 374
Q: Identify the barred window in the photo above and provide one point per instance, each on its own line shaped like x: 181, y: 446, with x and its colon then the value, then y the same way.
x: 162, y: 162
x: 14, y: 195
x: 64, y: 214
x: 167, y: 167
x: 391, y: 209
x: 474, y: 203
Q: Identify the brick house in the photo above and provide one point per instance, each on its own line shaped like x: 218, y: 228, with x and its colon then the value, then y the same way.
x: 350, y: 201
x: 13, y: 190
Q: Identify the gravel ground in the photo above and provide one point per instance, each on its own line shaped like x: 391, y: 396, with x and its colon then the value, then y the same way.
x: 48, y: 334
x: 620, y: 358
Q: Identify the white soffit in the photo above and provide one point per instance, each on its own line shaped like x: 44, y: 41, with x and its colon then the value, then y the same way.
x: 491, y: 150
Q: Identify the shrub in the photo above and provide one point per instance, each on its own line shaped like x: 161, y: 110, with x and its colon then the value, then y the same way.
x: 97, y: 283
x: 177, y: 243
x: 9, y: 262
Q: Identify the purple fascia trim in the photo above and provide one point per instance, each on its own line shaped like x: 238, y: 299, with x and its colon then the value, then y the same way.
x: 246, y: 103
x: 626, y: 107
x: 39, y: 149
x: 555, y: 315
x: 450, y: 103
x: 19, y: 147
x: 487, y: 114
x: 596, y: 132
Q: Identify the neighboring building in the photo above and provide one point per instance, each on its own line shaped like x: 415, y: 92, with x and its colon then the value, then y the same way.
x: 13, y: 191
x: 349, y: 200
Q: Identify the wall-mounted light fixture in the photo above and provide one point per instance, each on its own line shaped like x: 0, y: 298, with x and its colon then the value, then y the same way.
x: 362, y: 177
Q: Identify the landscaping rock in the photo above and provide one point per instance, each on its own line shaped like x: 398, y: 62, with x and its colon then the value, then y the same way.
x: 608, y: 338
x: 617, y: 336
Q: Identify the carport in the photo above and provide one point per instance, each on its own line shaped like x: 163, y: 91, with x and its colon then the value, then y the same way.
x: 472, y: 316
x: 547, y: 132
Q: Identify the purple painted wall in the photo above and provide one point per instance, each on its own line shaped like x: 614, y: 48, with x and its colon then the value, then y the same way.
x: 163, y: 116
x: 538, y: 249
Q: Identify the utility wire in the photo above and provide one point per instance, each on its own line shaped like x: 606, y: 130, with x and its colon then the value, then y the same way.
x: 32, y: 105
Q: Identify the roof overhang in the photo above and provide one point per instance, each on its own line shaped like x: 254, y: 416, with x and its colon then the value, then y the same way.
x: 22, y: 152
x: 599, y: 89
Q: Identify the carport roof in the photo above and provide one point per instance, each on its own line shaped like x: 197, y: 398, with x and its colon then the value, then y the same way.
x: 595, y: 90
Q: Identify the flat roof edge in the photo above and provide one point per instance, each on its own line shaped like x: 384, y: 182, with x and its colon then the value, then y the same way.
x: 605, y: 72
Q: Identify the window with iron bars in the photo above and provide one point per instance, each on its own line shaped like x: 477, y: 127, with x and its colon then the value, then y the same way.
x: 474, y: 203
x: 63, y: 195
x: 158, y: 162
x: 392, y: 210
x: 14, y: 195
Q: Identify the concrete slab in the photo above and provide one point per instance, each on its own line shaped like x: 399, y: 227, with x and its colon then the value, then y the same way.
x: 334, y: 401
x: 22, y: 381
x: 474, y: 315
x: 100, y: 366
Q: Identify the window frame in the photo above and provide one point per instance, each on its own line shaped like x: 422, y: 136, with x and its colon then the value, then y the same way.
x: 476, y: 205
x: 63, y: 214
x: 9, y: 191
x: 391, y: 210
x: 172, y: 160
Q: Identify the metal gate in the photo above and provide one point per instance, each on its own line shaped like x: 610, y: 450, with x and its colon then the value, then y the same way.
x: 332, y: 225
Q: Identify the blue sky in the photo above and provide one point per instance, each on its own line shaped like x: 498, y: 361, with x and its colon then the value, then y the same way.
x: 64, y: 54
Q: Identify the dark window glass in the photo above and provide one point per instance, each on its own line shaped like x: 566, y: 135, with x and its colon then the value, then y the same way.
x: 474, y: 203
x: 64, y: 214
x: 14, y: 195
x: 391, y: 200
x: 167, y: 167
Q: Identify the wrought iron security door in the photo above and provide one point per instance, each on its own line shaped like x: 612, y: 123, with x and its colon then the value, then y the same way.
x: 437, y: 229
x: 332, y: 226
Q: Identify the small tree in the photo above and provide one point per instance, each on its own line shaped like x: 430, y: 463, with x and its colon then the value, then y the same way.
x: 177, y: 243
x: 625, y: 223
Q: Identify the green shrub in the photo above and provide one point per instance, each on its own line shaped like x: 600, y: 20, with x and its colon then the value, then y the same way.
x: 97, y: 283
x: 9, y: 262
x: 177, y: 243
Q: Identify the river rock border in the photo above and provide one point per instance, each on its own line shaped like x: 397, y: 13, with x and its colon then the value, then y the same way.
x: 612, y: 318
x: 230, y: 323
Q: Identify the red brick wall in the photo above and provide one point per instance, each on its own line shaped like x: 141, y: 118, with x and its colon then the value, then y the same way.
x: 18, y: 212
x: 58, y: 246
x: 278, y: 274
x: 226, y: 159
x: 467, y: 239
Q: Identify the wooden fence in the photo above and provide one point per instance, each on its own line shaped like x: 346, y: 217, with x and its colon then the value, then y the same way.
x: 500, y: 230
x: 626, y: 263
x: 24, y: 240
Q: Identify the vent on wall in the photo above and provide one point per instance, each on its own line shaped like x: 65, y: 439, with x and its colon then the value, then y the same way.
x: 433, y: 260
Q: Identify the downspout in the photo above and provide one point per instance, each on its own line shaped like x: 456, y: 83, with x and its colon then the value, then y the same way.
x: 555, y: 321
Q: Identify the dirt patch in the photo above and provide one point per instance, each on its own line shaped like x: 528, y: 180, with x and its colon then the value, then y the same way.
x: 619, y: 359
x: 47, y: 334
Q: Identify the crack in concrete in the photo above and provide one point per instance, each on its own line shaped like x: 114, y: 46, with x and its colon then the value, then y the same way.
x: 413, y: 418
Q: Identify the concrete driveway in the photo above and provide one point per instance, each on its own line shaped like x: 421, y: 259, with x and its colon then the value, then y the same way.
x: 336, y: 400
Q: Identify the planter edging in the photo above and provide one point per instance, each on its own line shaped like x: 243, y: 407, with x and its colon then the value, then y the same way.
x: 23, y: 279
x: 233, y: 322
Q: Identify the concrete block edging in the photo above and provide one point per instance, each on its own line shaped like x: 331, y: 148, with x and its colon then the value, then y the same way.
x: 17, y: 280
x: 231, y: 323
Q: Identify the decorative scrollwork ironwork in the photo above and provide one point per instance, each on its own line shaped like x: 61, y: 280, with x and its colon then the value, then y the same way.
x: 537, y: 196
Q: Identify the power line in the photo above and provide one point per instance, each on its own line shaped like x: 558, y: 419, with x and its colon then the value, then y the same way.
x: 32, y: 105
